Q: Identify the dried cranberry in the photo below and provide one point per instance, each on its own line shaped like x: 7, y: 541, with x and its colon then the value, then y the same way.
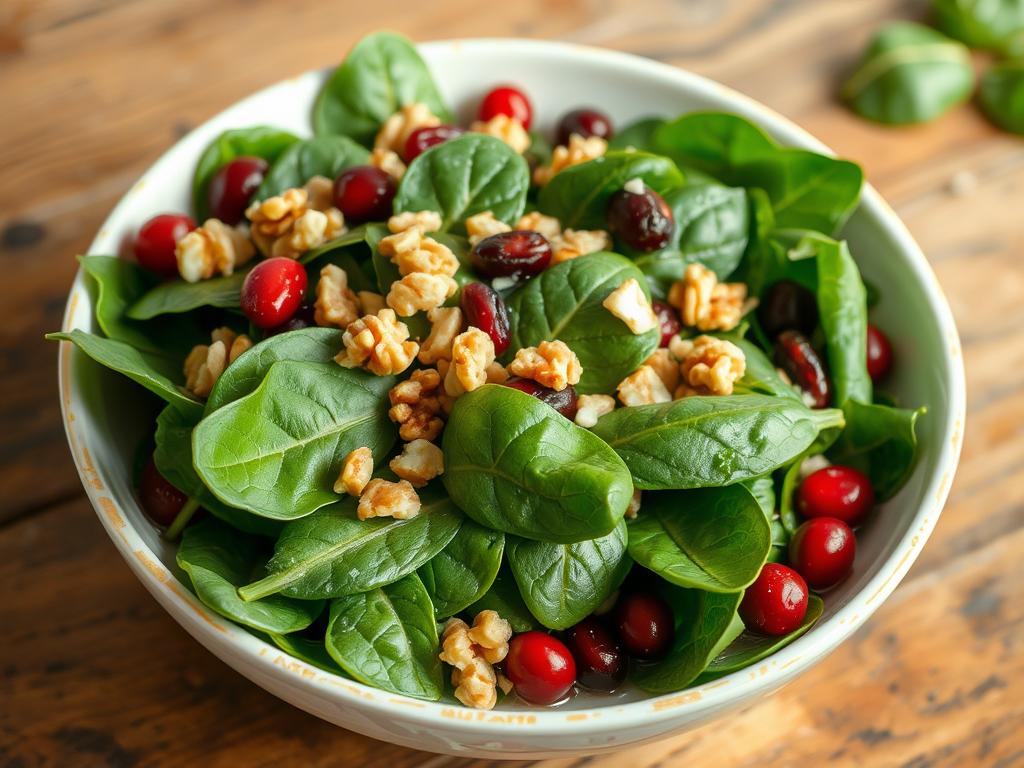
x: 507, y: 100
x: 642, y: 221
x: 600, y: 664
x: 562, y: 400
x: 273, y: 291
x: 232, y: 187
x: 822, y: 551
x: 160, y: 500
x: 669, y: 319
x: 156, y: 241
x: 788, y: 306
x: 776, y: 603
x: 841, y: 492
x: 795, y: 355
x: 422, y: 139
x: 586, y: 123
x: 540, y: 667
x: 519, y: 253
x: 485, y: 309
x: 645, y: 623
x: 879, y: 354
x: 364, y: 193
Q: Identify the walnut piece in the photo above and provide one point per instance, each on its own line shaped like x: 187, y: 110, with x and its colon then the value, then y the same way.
x: 579, y: 150
x: 389, y: 162
x: 419, y: 463
x: 445, y: 324
x: 548, y: 226
x: 506, y: 128
x: 496, y: 373
x: 643, y: 387
x: 274, y: 216
x: 416, y: 406
x: 473, y: 651
x: 212, y: 249
x: 205, y: 363
x: 706, y: 304
x: 708, y: 366
x: 320, y: 192
x: 482, y: 225
x: 666, y: 366
x: 290, y: 224
x: 590, y: 408
x: 311, y: 230
x: 356, y: 471
x: 472, y: 353
x: 379, y: 343
x: 412, y: 251
x: 395, y: 131
x: 630, y: 304
x: 383, y: 498
x: 424, y: 221
x: 420, y: 292
x: 550, y: 363
x: 370, y: 303
x: 573, y: 243
x: 336, y: 304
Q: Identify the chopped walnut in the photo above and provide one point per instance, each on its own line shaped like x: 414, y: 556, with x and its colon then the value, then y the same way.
x: 290, y: 224
x: 445, y: 324
x: 483, y: 225
x: 416, y: 406
x: 388, y: 161
x: 709, y: 366
x: 396, y: 129
x: 550, y: 363
x: 419, y: 463
x: 574, y: 243
x: 336, y: 304
x: 205, y: 363
x: 666, y: 366
x: 379, y: 343
x: 630, y: 304
x: 419, y: 292
x: 356, y: 471
x: 412, y: 251
x: 274, y: 216
x: 311, y: 230
x: 424, y: 221
x: 506, y: 128
x: 496, y: 373
x: 473, y: 651
x: 212, y: 249
x: 643, y: 387
x: 370, y: 303
x: 706, y: 304
x: 382, y: 498
x: 472, y: 353
x: 536, y: 221
x: 590, y: 408
x: 491, y: 633
x: 579, y: 150
x: 634, y: 506
x: 320, y: 191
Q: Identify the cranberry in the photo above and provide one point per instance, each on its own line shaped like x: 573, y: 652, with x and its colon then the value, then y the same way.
x: 540, y: 667
x: 822, y: 551
x: 645, y: 623
x: 422, y: 139
x: 232, y: 187
x: 364, y: 193
x: 273, y: 291
x: 303, y: 318
x: 155, y: 243
x: 788, y: 306
x: 599, y: 661
x: 506, y: 100
x: 585, y: 122
x: 669, y: 320
x: 562, y: 400
x: 485, y: 309
x: 642, y: 221
x: 160, y: 500
x: 840, y: 492
x: 879, y: 354
x: 519, y: 253
x: 795, y: 355
x: 775, y: 604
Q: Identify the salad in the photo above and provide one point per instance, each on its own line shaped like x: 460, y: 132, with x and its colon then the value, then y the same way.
x: 462, y: 413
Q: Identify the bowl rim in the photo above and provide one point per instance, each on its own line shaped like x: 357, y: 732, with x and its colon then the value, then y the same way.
x: 251, y: 655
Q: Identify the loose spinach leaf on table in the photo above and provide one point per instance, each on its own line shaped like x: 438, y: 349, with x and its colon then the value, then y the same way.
x: 714, y: 539
x: 177, y: 296
x: 881, y: 441
x: 513, y: 464
x: 994, y: 24
x: 562, y: 584
x: 639, y: 135
x: 564, y: 302
x: 464, y: 570
x: 386, y: 637
x: 218, y: 559
x: 381, y: 74
x: 503, y: 598
x: 321, y: 156
x: 277, y: 451
x: 1002, y: 95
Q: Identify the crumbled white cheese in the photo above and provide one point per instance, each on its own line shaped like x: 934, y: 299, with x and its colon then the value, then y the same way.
x: 634, y: 186
x: 503, y: 283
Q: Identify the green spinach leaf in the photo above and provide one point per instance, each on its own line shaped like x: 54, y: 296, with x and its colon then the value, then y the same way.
x: 638, y: 135
x: 321, y: 156
x: 763, y: 490
x: 761, y: 377
x: 1002, y: 95
x: 715, y: 143
x: 995, y: 24
x: 460, y: 574
x: 177, y: 296
x: 881, y: 441
x: 503, y: 597
x: 310, y: 651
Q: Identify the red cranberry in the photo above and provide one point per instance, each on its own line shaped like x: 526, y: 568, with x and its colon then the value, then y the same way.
x: 600, y: 664
x: 585, y: 122
x: 879, y: 354
x: 506, y: 100
x: 822, y: 551
x: 669, y: 320
x: 273, y: 291
x: 303, y: 318
x: 156, y: 240
x: 840, y: 492
x: 540, y: 667
x: 519, y: 253
x: 232, y: 187
x: 642, y: 221
x: 160, y: 500
x: 562, y: 400
x: 775, y: 604
x: 422, y: 139
x: 364, y: 193
x: 485, y: 309
x: 788, y: 306
x: 645, y: 623
x: 795, y: 355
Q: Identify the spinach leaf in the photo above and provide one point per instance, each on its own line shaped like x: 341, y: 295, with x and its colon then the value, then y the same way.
x: 564, y: 302
x: 699, y: 442
x: 325, y: 253
x: 716, y: 143
x: 310, y: 651
x: 763, y: 490
x: 333, y: 553
x: 639, y: 135
x: 564, y: 583
x: 995, y: 24
x: 459, y: 575
x: 515, y: 465
x: 780, y: 543
x: 761, y: 376
x: 321, y: 156
x: 788, y: 516
x: 1002, y: 95
x: 463, y: 177
x: 909, y: 74
x: 503, y: 597
x: 276, y: 451
x: 578, y: 196
x: 257, y: 141
x: 881, y: 441
x: 714, y: 539
x: 177, y: 296
x: 381, y: 74
x: 386, y: 637
x: 218, y: 560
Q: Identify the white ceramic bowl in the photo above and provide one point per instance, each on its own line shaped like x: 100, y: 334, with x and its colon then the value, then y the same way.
x: 105, y: 418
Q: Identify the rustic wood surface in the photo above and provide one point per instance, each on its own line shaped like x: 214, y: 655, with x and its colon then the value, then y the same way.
x: 93, y: 672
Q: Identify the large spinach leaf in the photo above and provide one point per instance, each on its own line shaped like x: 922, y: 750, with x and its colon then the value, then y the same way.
x: 464, y: 570
x: 996, y: 24
x: 308, y: 650
x: 504, y: 599
x: 761, y: 377
x: 177, y: 296
x: 881, y: 441
x: 321, y: 156
x: 515, y: 465
x: 637, y: 135
x: 716, y: 143
x: 1002, y: 95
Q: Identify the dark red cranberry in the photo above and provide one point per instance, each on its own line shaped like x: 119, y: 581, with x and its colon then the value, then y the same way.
x: 879, y: 354
x: 273, y: 291
x: 303, y: 318
x: 485, y: 309
x: 154, y: 244
x: 642, y: 221
x: 364, y: 193
x: 160, y: 500
x: 507, y: 100
x: 669, y: 319
x: 540, y: 667
x: 840, y: 492
x: 775, y: 604
x: 422, y: 139
x: 519, y: 253
x: 562, y: 400
x: 788, y: 306
x: 600, y: 664
x: 795, y: 355
x: 645, y: 624
x: 232, y: 187
x: 822, y: 551
x: 585, y: 122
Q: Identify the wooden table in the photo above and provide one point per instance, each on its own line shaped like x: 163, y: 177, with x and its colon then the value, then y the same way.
x: 93, y: 672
